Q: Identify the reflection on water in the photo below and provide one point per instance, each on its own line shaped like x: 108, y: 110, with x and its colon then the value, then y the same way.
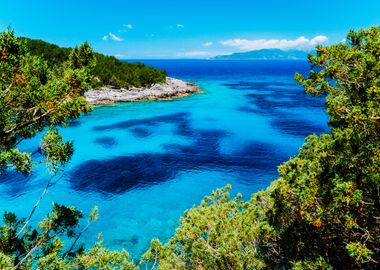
x: 144, y: 163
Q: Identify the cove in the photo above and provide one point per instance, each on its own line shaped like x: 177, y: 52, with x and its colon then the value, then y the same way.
x: 144, y: 163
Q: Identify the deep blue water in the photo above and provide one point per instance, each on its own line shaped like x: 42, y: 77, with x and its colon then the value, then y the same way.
x: 144, y: 163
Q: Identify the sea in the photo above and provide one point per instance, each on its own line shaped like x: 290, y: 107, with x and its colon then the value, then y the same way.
x: 144, y: 163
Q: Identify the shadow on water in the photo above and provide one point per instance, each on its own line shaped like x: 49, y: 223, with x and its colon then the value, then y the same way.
x: 141, y: 132
x: 280, y: 96
x: 242, y: 85
x: 122, y: 173
x: 106, y: 142
x: 15, y: 183
x: 146, y: 122
x: 290, y: 124
x: 74, y: 123
x: 141, y: 127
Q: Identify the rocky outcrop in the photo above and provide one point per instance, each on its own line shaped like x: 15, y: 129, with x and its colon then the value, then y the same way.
x: 172, y: 88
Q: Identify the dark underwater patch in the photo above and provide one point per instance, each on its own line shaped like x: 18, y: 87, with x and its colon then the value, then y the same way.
x: 141, y: 127
x: 120, y: 174
x: 74, y: 123
x: 147, y: 122
x: 134, y: 240
x: 106, y: 142
x: 297, y: 127
x: 248, y: 109
x: 278, y: 94
x: 15, y: 183
x: 140, y: 132
x: 257, y: 85
x: 273, y: 104
x: 290, y: 99
x: 289, y: 123
x: 123, y: 173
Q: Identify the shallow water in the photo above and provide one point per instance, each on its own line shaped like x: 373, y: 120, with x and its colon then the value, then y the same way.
x: 144, y: 163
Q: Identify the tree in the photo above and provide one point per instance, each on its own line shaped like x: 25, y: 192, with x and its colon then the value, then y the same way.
x: 33, y: 97
x: 323, y: 211
x: 107, y: 70
x: 82, y: 57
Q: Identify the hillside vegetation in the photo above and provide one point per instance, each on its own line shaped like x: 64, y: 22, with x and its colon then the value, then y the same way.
x: 107, y: 70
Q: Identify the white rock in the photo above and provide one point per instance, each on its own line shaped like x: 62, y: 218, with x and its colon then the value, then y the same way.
x: 170, y: 89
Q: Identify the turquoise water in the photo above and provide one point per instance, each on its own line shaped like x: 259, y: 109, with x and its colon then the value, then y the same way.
x: 144, y: 163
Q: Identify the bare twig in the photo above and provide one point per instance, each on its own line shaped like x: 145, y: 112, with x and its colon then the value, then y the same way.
x: 155, y: 261
x: 77, y: 238
x: 8, y: 88
x: 39, y: 243
x: 48, y: 185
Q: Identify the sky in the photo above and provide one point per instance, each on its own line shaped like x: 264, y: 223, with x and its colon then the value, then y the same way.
x: 150, y: 29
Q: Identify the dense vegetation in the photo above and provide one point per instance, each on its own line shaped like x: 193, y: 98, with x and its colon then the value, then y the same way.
x: 34, y: 96
x: 323, y: 212
x: 108, y: 70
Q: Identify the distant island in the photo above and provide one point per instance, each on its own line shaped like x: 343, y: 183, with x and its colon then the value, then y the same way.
x: 265, y: 54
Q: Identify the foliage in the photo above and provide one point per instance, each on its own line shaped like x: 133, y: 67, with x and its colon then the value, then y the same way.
x: 111, y: 71
x: 35, y: 96
x: 99, y: 257
x: 56, y: 152
x: 43, y: 248
x: 318, y: 264
x: 321, y: 213
x: 323, y: 210
x: 51, y: 53
x: 217, y: 234
x: 82, y: 57
x: 107, y: 69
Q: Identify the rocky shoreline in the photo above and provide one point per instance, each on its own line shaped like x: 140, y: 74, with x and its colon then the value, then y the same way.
x: 172, y: 88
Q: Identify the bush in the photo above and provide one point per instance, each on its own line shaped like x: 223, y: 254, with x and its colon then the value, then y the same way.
x: 323, y: 211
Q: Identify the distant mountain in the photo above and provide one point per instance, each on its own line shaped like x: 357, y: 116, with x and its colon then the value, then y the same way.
x: 265, y: 54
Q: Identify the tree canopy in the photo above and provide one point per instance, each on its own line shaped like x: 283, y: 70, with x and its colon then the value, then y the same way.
x: 34, y: 96
x: 323, y: 211
x: 107, y: 69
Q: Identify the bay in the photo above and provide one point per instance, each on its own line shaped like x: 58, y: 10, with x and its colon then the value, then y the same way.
x: 144, y: 163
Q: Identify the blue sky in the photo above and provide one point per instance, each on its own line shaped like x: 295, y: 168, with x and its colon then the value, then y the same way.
x: 187, y: 29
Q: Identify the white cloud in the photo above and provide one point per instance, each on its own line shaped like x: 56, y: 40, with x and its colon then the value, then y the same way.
x: 284, y: 44
x: 318, y: 40
x: 207, y: 44
x: 180, y: 26
x: 129, y: 26
x: 195, y: 54
x: 114, y: 37
x: 120, y: 55
x: 105, y: 37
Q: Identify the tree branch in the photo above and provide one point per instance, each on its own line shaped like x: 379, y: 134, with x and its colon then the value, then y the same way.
x: 48, y: 185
